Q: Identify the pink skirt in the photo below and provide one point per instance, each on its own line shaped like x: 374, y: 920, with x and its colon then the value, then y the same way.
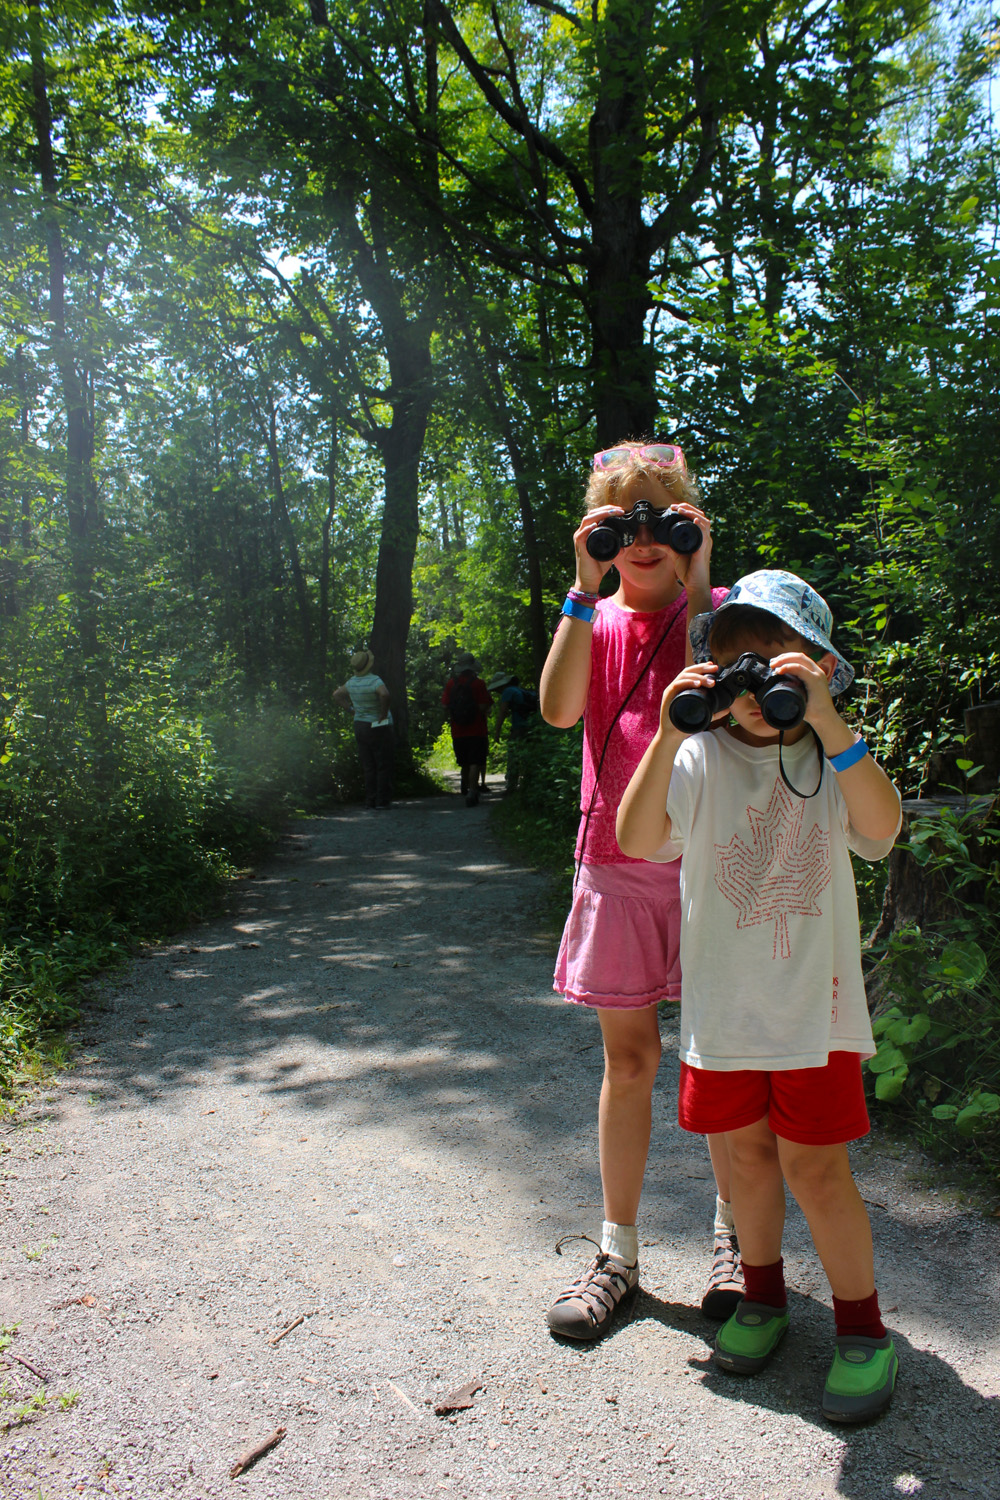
x: 621, y: 944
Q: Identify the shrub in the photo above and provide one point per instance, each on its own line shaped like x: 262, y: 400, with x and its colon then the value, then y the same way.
x: 938, y: 1026
x: 124, y: 826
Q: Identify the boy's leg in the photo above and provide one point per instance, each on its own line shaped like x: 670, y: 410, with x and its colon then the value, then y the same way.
x: 746, y: 1342
x: 585, y: 1310
x: 820, y: 1180
x: 758, y: 1192
x: 862, y: 1378
x: 461, y: 760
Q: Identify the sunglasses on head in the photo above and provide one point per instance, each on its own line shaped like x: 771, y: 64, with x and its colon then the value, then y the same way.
x: 663, y: 455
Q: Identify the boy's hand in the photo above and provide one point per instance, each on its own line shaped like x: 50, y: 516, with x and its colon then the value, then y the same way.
x: 699, y: 674
x: 815, y: 678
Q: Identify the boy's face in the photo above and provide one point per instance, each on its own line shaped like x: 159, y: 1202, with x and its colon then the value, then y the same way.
x: 750, y: 726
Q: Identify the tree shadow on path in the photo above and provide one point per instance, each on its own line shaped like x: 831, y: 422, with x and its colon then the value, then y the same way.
x: 390, y: 970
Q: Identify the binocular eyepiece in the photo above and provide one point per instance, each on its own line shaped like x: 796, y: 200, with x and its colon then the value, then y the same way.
x: 782, y: 699
x: 670, y: 528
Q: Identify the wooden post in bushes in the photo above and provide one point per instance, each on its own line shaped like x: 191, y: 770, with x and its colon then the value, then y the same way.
x: 916, y: 896
x: 982, y: 745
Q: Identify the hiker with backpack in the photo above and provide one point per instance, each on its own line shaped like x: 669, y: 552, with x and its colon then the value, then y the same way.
x: 520, y: 705
x: 467, y: 698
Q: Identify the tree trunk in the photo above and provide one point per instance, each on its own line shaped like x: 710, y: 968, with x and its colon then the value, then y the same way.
x: 982, y: 745
x: 323, y: 662
x: 400, y: 446
x: 406, y: 340
x: 622, y: 364
x: 288, y: 531
x: 81, y: 488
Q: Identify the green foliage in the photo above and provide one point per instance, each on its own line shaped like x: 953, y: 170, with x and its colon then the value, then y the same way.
x: 131, y: 835
x: 541, y: 817
x: 368, y: 272
x: 938, y: 1058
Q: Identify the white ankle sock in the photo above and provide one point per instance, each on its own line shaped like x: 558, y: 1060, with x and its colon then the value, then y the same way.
x: 723, y: 1216
x: 621, y: 1240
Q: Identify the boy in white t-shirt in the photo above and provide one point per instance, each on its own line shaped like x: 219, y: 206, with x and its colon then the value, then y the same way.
x: 774, y: 1023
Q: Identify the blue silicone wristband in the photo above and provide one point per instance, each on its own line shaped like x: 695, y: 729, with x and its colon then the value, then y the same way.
x: 849, y: 757
x: 577, y: 611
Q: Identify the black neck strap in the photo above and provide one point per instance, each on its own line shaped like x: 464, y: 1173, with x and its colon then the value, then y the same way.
x: 819, y: 747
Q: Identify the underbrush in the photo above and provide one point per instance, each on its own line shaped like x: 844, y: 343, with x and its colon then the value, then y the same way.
x: 127, y: 829
x: 937, y: 1020
x: 540, y: 819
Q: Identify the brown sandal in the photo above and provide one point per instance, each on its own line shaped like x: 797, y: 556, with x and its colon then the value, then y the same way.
x: 586, y: 1309
x: 724, y: 1292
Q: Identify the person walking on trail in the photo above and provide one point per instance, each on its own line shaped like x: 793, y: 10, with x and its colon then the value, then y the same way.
x: 610, y: 660
x: 762, y: 816
x: 467, y: 699
x: 368, y: 697
x: 519, y: 706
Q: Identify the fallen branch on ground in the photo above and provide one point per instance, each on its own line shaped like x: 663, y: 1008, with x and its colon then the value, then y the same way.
x: 294, y: 1324
x: 249, y: 1458
x: 9, y: 1354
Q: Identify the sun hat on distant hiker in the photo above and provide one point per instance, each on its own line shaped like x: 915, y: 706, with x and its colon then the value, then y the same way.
x: 466, y: 662
x: 362, y: 663
x: 499, y: 680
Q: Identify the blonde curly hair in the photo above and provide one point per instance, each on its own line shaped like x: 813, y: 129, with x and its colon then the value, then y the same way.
x: 605, y: 485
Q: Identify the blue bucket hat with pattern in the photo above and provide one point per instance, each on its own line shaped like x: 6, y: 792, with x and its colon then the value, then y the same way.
x: 793, y: 602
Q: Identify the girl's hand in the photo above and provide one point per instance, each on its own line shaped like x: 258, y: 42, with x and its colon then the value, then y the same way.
x: 590, y: 570
x: 815, y: 678
x: 700, y: 674
x: 692, y: 568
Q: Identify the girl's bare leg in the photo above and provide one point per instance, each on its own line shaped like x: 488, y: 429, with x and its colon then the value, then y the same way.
x: 631, y: 1058
x: 718, y: 1150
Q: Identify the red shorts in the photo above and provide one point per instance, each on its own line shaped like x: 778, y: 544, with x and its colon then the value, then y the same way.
x: 810, y: 1106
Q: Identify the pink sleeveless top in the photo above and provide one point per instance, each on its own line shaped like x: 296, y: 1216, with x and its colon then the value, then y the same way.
x: 622, y: 644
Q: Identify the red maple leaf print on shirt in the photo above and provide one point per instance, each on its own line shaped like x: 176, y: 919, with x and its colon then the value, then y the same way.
x: 780, y: 873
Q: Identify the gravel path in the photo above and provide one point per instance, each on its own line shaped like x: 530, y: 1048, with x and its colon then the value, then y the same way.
x: 355, y: 1101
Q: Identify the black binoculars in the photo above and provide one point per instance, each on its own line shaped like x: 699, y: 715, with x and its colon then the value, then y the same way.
x: 670, y: 528
x: 782, y: 700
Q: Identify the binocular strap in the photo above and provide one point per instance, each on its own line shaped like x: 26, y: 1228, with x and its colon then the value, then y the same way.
x: 607, y: 738
x: 819, y: 748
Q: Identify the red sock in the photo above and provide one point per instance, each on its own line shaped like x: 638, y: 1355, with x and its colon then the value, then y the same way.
x: 765, y: 1284
x: 860, y: 1319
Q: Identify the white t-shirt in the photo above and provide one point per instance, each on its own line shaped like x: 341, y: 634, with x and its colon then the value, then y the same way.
x: 770, y: 946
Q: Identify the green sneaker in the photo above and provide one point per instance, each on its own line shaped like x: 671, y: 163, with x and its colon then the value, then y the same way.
x: 746, y: 1342
x: 861, y: 1379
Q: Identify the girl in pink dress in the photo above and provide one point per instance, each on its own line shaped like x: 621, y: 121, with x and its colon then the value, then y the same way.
x: 610, y: 661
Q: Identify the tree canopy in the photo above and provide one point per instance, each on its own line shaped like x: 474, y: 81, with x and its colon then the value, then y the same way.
x: 313, y: 314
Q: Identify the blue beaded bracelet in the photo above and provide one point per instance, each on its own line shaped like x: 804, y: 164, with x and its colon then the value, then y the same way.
x: 849, y: 757
x: 577, y: 611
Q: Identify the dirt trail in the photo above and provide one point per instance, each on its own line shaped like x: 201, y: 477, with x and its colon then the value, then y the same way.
x: 356, y: 1101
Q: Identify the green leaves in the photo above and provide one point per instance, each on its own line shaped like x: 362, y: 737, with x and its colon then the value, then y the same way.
x: 963, y: 963
x: 983, y: 1108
